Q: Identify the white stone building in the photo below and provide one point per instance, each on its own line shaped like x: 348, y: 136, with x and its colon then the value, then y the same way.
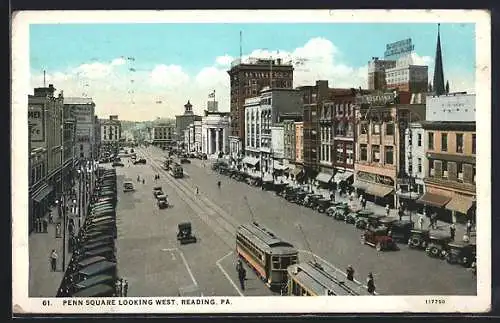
x: 215, y: 133
x: 111, y: 131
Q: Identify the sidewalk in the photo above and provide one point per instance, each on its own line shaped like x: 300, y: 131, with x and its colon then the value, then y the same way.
x: 43, y: 282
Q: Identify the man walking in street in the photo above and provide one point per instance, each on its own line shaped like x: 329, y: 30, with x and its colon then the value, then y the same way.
x: 53, y: 260
x: 364, y: 203
x: 400, y: 213
x: 125, y: 288
x: 242, y: 273
x: 350, y: 273
x: 370, y: 284
x: 452, y: 231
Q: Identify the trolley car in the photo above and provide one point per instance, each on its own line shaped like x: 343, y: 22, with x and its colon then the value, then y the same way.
x: 313, y: 279
x: 267, y: 254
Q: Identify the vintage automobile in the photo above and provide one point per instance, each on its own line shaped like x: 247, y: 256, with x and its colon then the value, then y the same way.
x: 184, y: 161
x: 378, y: 238
x: 157, y: 190
x: 462, y: 253
x: 185, y: 235
x: 366, y: 219
x: 340, y: 211
x: 323, y: 205
x: 140, y: 161
x: 128, y: 186
x: 419, y: 239
x: 162, y: 201
x: 400, y: 229
x: 352, y: 217
x: 438, y: 245
x: 117, y: 164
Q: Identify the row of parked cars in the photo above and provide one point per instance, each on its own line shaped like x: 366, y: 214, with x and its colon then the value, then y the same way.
x: 92, y: 270
x: 379, y: 231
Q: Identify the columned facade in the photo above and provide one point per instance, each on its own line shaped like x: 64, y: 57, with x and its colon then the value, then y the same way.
x: 215, y: 133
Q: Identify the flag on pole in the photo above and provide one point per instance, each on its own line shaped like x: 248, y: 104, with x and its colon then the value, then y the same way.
x: 212, y: 95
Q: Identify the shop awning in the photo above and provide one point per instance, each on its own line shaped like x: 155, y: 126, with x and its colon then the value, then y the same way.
x: 360, y: 184
x: 296, y: 171
x: 408, y: 195
x: 42, y: 192
x: 250, y: 160
x: 324, y: 177
x: 460, y: 204
x: 280, y: 167
x: 378, y: 190
x: 342, y: 176
x: 433, y: 199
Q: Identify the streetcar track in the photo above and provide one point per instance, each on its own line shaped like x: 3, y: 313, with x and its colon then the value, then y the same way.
x: 198, y: 206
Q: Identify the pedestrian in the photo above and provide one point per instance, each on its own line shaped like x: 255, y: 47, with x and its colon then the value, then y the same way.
x: 218, y: 184
x: 434, y: 220
x: 370, y: 284
x: 241, y: 276
x: 70, y: 229
x: 45, y: 225
x: 117, y: 288
x: 452, y: 232
x: 361, y: 199
x: 125, y: 288
x: 197, y: 190
x: 421, y: 221
x: 364, y: 203
x: 121, y: 286
x: 143, y: 181
x: 400, y: 213
x: 158, y: 176
x: 350, y: 273
x: 58, y: 230
x: 387, y: 209
x: 51, y: 217
x: 332, y: 197
x: 53, y: 260
x: 469, y: 227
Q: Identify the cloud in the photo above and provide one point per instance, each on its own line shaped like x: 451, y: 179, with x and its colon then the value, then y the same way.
x: 162, y: 90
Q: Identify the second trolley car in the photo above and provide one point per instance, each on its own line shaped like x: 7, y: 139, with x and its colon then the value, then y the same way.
x: 267, y: 254
x: 312, y: 279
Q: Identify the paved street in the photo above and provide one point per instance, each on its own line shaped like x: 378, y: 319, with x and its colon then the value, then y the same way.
x: 404, y: 272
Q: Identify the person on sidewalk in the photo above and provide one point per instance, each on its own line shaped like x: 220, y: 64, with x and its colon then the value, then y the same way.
x: 387, y: 210
x: 51, y: 217
x: 421, y: 221
x: 45, y: 225
x: 469, y: 227
x: 370, y: 284
x: 197, y: 190
x: 125, y: 288
x: 364, y: 203
x: 58, y: 230
x: 53, y: 260
x: 452, y: 232
x: 350, y: 273
x: 118, y: 288
x: 400, y: 213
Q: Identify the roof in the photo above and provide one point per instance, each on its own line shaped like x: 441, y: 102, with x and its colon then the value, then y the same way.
x: 450, y: 125
x: 265, y: 239
x: 75, y: 100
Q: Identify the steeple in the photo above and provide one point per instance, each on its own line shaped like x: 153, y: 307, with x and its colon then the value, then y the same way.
x: 188, y: 108
x: 438, y: 83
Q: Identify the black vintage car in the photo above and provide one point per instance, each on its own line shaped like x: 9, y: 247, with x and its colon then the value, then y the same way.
x: 400, y: 230
x: 185, y: 161
x: 340, y: 212
x: 462, y: 253
x: 438, y: 245
x: 117, y: 164
x: 185, y: 235
x: 323, y: 205
x: 352, y: 217
x: 162, y: 201
x: 419, y: 239
x: 140, y: 161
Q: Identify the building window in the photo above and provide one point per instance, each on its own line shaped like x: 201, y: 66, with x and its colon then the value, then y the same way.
x: 431, y: 141
x: 444, y: 142
x: 419, y: 165
x: 364, y: 128
x: 389, y: 155
x: 364, y: 152
x: 419, y: 140
x: 460, y: 143
x: 376, y: 129
x: 376, y: 153
x: 389, y: 129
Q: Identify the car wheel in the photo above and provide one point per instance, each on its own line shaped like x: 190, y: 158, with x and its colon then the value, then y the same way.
x: 378, y: 246
x: 434, y: 252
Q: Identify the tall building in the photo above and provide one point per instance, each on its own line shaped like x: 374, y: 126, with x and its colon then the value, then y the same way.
x: 111, y: 132
x: 376, y: 73
x: 163, y: 135
x: 83, y: 111
x: 247, y: 79
x: 184, y: 120
x: 438, y: 82
x: 407, y: 77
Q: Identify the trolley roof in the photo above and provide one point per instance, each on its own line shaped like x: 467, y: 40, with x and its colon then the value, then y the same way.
x: 323, y: 279
x: 265, y: 239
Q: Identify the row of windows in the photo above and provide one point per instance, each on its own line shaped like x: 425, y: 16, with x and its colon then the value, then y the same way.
x: 419, y: 167
x: 459, y: 142
x: 376, y: 154
x: 250, y: 247
x: 456, y: 171
x: 376, y: 128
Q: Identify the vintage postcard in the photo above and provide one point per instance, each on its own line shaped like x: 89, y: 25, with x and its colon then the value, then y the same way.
x: 230, y: 161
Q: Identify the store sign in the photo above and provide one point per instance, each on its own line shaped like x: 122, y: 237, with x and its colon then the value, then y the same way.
x: 377, y: 99
x: 36, y: 120
x: 375, y: 178
x: 402, y: 47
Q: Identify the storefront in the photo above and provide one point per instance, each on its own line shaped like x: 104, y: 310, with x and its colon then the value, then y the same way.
x: 449, y: 206
x: 342, y: 179
x: 376, y: 188
x: 434, y: 204
x: 39, y: 202
x: 324, y: 178
x: 251, y: 163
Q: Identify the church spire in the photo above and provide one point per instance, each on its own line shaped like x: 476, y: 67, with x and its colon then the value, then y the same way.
x: 438, y: 83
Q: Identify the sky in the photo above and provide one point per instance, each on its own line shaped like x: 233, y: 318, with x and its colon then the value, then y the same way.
x: 144, y: 71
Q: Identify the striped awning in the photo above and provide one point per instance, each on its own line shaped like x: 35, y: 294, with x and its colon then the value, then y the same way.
x: 324, y: 177
x: 434, y: 199
x: 342, y: 176
x: 250, y: 160
x: 42, y: 192
x: 378, y: 190
x: 460, y: 204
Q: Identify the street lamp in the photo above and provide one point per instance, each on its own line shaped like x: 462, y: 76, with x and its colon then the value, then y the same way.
x: 61, y: 208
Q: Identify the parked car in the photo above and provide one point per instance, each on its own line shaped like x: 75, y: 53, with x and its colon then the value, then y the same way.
x: 378, y: 238
x: 140, y: 161
x: 340, y: 211
x: 366, y: 219
x: 184, y: 234
x: 157, y: 190
x: 419, y: 239
x: 352, y: 217
x: 128, y: 186
x: 462, y: 253
x: 438, y: 245
x: 192, y: 155
x: 400, y: 229
x: 185, y: 161
x: 117, y: 164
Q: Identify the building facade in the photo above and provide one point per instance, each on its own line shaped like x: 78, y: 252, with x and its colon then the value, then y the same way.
x: 163, y: 135
x: 380, y: 147
x: 215, y: 133
x: 450, y: 179
x: 277, y: 148
x: 289, y: 141
x: 83, y: 111
x: 299, y: 149
x: 247, y: 79
x: 376, y: 73
x: 111, y: 132
x: 411, y: 184
x: 183, y: 121
x: 407, y: 77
